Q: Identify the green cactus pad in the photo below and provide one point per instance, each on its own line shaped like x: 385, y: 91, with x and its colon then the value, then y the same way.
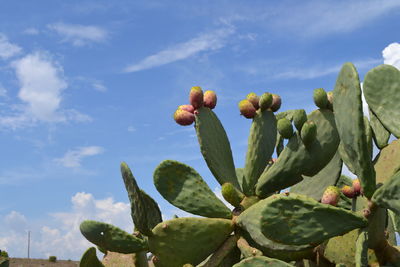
x: 215, y: 147
x: 296, y: 159
x: 144, y: 210
x: 388, y: 195
x: 380, y: 134
x: 184, y: 188
x: 89, y: 259
x: 390, y: 229
x: 299, y: 118
x: 388, y: 162
x: 342, y: 249
x: 381, y: 91
x: 315, y: 186
x: 262, y: 261
x: 395, y: 218
x: 232, y: 195
x: 285, y: 128
x: 223, y: 253
x: 188, y: 240
x: 299, y: 220
x: 361, y: 257
x: 240, y: 176
x: 321, y: 98
x: 350, y: 124
x: 261, y: 145
x: 111, y: 238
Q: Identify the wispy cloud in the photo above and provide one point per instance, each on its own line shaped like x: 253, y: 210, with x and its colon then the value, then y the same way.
x: 7, y: 49
x: 327, y: 17
x: 73, y: 158
x: 79, y: 35
x: 204, y: 42
x: 31, y: 31
x: 99, y: 86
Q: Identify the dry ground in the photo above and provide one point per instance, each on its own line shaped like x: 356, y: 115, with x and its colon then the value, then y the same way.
x: 24, y: 262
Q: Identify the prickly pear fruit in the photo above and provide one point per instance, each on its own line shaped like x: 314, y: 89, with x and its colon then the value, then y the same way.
x: 247, y: 109
x: 320, y: 98
x: 188, y: 108
x: 231, y: 194
x: 210, y: 99
x: 265, y: 101
x: 348, y: 191
x: 276, y: 102
x: 357, y: 187
x: 331, y: 195
x: 254, y: 99
x: 196, y: 97
x: 308, y: 132
x: 299, y: 118
x: 330, y: 100
x: 183, y: 117
x: 285, y: 128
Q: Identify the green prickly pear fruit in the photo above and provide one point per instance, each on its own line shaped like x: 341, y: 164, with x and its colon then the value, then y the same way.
x: 196, y: 97
x: 285, y: 128
x: 320, y: 98
x: 188, y: 108
x: 331, y: 195
x: 348, y: 191
x: 308, y: 133
x: 210, y: 99
x: 254, y: 99
x: 330, y: 100
x: 276, y: 102
x: 299, y: 118
x: 183, y: 117
x: 265, y: 101
x: 247, y: 109
x: 231, y: 194
x: 357, y: 187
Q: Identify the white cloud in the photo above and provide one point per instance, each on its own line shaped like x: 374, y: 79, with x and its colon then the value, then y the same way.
x: 7, y: 49
x: 79, y: 35
x: 131, y: 129
x: 3, y: 91
x: 204, y: 42
x: 391, y: 55
x: 60, y: 236
x: 42, y: 82
x: 73, y: 158
x: 31, y: 31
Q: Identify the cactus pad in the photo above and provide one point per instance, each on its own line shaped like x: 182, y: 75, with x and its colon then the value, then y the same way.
x: 215, y: 147
x: 89, y: 259
x: 261, y: 145
x: 381, y: 91
x: 299, y: 220
x: 261, y: 261
x: 388, y: 195
x: 184, y: 188
x: 188, y: 240
x: 111, y: 238
x: 380, y: 134
x: 350, y: 124
x: 388, y: 162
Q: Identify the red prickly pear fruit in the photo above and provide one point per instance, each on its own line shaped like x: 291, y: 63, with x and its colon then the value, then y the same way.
x: 348, y: 191
x: 265, y: 101
x: 320, y: 98
x: 183, y: 117
x: 196, y: 97
x: 188, y: 108
x: 276, y: 103
x: 210, y: 99
x: 331, y: 195
x: 254, y: 99
x: 247, y: 109
x: 357, y: 187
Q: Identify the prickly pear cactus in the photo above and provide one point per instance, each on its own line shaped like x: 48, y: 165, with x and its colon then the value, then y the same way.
x: 325, y: 219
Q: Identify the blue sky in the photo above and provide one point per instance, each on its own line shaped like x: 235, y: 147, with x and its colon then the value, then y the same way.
x: 85, y: 85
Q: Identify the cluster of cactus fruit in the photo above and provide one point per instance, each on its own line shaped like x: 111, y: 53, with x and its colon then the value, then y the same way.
x: 325, y: 219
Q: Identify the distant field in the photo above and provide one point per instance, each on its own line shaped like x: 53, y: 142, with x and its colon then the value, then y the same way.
x: 23, y: 262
